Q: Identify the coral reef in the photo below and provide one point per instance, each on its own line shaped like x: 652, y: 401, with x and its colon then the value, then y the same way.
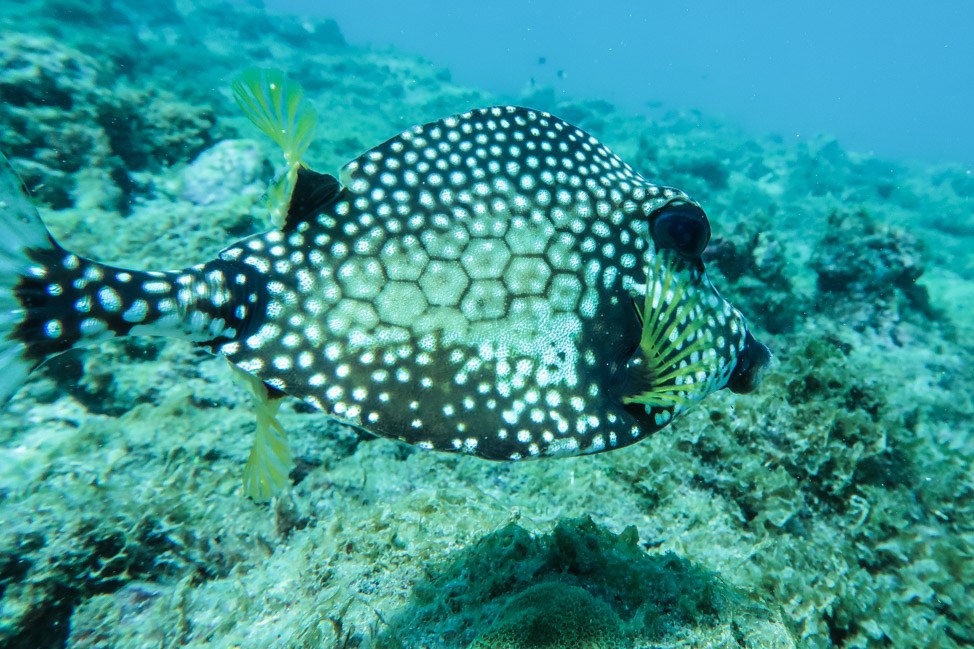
x: 867, y: 274
x: 752, y: 258
x: 50, y: 101
x: 832, y: 508
x: 580, y: 583
x: 76, y: 138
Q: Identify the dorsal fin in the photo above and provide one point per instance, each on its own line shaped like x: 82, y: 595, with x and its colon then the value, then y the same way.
x: 312, y: 192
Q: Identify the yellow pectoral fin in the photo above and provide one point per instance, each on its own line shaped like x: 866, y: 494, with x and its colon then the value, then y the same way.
x: 675, y: 349
x: 270, y: 461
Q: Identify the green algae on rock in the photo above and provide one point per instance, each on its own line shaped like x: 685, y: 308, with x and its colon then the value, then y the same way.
x: 578, y: 586
x: 551, y: 615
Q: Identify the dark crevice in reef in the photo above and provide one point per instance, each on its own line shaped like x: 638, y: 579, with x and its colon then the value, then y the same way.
x: 100, y: 562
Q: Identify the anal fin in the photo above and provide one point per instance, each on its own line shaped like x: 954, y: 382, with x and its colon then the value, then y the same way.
x: 270, y: 460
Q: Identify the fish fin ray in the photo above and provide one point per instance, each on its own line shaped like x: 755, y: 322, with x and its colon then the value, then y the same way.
x: 270, y: 461
x: 277, y: 106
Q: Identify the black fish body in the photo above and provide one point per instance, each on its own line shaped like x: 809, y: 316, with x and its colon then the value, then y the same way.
x: 496, y: 283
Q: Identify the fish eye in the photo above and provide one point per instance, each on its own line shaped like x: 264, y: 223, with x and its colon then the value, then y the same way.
x: 682, y: 227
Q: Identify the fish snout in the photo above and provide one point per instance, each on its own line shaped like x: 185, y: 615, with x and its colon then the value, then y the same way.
x: 751, y: 363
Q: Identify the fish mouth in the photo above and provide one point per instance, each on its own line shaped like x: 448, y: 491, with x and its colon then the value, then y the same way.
x: 752, y: 362
x: 690, y: 342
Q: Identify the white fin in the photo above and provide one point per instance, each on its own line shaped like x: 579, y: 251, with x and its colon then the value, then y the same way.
x: 270, y: 461
x: 21, y: 230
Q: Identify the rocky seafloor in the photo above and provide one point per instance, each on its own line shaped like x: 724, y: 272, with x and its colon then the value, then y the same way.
x: 833, y: 508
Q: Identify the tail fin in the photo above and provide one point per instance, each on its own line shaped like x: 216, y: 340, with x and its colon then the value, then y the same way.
x: 22, y: 234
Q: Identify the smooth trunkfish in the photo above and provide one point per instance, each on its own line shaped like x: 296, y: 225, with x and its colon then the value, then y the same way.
x: 496, y: 283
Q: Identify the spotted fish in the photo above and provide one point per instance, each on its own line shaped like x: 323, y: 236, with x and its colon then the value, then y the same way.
x: 496, y: 283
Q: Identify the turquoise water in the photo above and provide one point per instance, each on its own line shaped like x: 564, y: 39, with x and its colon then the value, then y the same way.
x: 831, y: 507
x: 881, y: 77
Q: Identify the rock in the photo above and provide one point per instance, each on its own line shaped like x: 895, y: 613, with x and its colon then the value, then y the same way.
x: 226, y: 170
